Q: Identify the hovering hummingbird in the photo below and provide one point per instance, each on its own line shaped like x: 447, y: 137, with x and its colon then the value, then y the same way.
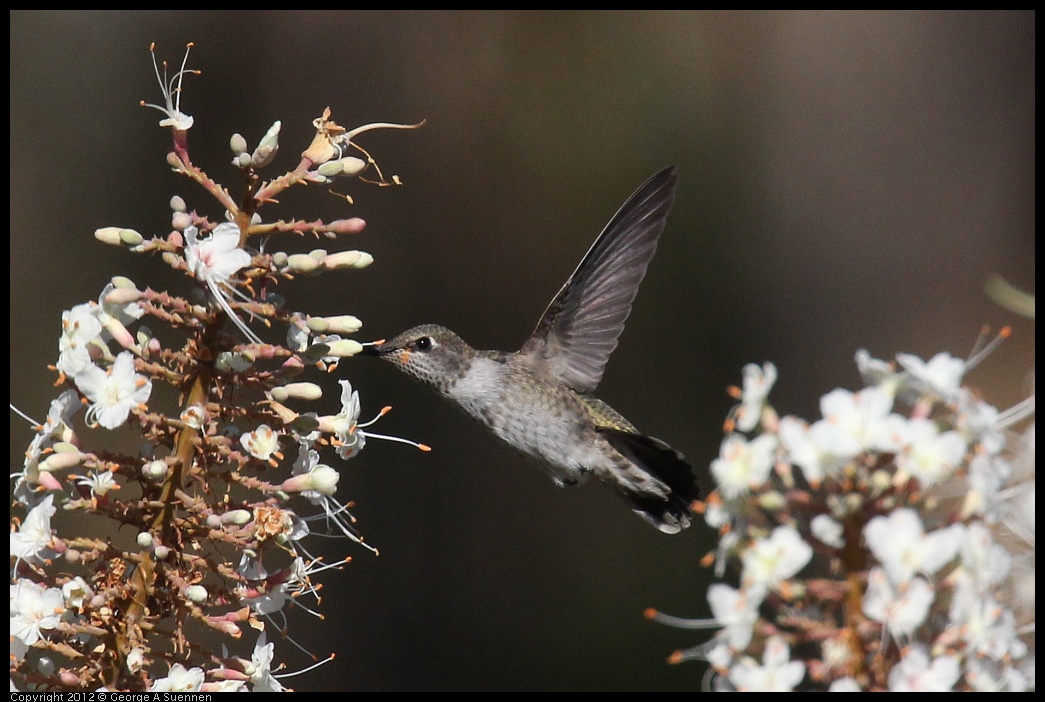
x: 538, y: 398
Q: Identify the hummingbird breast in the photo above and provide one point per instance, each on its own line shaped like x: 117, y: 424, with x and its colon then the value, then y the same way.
x: 541, y: 419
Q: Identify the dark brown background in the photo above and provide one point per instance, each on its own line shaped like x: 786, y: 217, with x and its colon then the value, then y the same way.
x: 847, y: 180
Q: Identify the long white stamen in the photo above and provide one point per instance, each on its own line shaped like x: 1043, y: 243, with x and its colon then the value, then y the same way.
x: 23, y: 415
x: 311, y: 667
x: 218, y: 292
x: 423, y: 447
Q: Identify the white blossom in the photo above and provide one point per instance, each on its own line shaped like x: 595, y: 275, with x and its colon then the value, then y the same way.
x: 262, y: 443
x: 80, y: 329
x: 179, y: 679
x: 33, y: 537
x: 855, y: 422
x: 769, y: 561
x: 777, y: 672
x: 929, y: 455
x: 758, y: 381
x: 214, y: 260
x: 916, y: 673
x: 34, y: 609
x: 743, y: 465
x: 827, y: 530
x: 941, y: 374
x: 901, y: 545
x: 900, y: 607
x: 737, y: 612
x: 171, y: 88
x: 260, y: 668
x: 113, y: 393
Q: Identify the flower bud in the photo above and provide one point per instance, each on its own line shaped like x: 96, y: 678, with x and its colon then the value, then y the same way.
x: 238, y: 517
x: 145, y: 539
x: 238, y: 144
x: 343, y: 348
x: 61, y: 460
x: 178, y: 204
x: 242, y: 161
x: 352, y: 166
x: 122, y: 295
x: 341, y: 324
x: 118, y: 236
x: 853, y: 503
x: 267, y: 147
x: 347, y: 259
x: 196, y: 593
x: 330, y: 169
x: 322, y: 479
x: 46, y: 667
x: 181, y: 221
x: 349, y: 166
x: 161, y: 552
x: 262, y: 157
x: 880, y: 482
x: 772, y: 501
x: 298, y: 391
x: 131, y: 237
x: 302, y: 263
x: 155, y: 470
x: 232, y: 362
x: 108, y: 235
x: 353, y: 225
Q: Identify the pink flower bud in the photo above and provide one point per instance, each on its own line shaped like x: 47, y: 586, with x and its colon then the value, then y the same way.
x: 347, y: 226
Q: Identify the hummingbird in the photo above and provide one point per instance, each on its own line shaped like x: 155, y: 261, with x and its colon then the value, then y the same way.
x: 539, y: 400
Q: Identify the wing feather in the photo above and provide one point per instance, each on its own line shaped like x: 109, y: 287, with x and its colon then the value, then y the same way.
x: 579, y: 330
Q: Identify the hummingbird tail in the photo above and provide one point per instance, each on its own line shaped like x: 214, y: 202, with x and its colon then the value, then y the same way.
x: 669, y: 514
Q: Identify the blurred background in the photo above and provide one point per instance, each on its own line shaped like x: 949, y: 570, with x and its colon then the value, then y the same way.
x: 848, y: 180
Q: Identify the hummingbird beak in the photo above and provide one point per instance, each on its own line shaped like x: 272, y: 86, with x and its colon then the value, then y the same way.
x: 375, y: 348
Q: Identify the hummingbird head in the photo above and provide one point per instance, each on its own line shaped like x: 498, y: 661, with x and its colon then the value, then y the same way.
x: 430, y: 353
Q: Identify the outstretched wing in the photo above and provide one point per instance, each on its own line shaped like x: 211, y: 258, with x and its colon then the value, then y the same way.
x: 579, y: 330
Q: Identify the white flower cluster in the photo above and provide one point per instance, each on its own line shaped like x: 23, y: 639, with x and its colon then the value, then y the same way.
x: 877, y: 550
x: 216, y: 541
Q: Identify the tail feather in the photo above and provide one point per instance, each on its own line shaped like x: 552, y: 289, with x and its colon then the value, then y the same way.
x: 669, y: 514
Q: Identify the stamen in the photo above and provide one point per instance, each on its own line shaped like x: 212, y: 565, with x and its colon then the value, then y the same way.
x: 423, y: 447
x: 680, y: 622
x: 382, y: 413
x: 311, y: 667
x: 981, y: 349
x: 36, y: 425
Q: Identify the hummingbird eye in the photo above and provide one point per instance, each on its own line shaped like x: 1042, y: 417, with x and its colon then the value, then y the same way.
x: 424, y: 343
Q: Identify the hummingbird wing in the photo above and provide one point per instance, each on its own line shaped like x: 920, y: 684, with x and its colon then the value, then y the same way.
x: 579, y: 330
